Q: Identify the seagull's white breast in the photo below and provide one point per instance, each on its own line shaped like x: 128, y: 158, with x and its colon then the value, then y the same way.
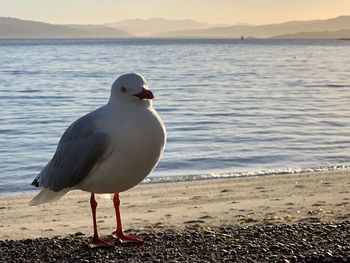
x: 137, y: 141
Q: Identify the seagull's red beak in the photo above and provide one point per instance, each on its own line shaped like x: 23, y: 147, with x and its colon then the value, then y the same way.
x: 145, y: 94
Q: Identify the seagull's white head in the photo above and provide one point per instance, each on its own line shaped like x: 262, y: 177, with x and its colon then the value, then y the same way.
x: 131, y: 88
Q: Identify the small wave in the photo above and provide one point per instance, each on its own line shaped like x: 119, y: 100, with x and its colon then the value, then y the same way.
x: 327, y: 85
x: 194, y: 177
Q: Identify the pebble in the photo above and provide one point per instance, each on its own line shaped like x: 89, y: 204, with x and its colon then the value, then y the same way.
x: 303, y: 242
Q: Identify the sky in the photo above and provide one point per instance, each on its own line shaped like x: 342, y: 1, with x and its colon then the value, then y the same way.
x: 211, y: 11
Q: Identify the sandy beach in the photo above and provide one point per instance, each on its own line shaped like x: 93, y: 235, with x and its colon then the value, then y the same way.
x: 306, y: 197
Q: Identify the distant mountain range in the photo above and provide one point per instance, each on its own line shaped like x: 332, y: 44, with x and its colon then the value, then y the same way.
x: 281, y: 30
x: 340, y: 34
x: 155, y: 26
x: 13, y: 28
x: 334, y: 28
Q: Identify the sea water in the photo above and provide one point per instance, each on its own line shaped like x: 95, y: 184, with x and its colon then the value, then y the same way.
x: 231, y: 108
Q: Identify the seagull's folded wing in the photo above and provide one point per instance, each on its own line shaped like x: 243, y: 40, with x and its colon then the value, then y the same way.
x: 80, y: 149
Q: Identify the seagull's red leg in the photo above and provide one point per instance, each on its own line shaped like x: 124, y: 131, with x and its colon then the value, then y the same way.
x: 97, y: 241
x: 119, y: 231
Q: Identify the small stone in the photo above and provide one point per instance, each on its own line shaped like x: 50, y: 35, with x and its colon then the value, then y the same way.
x: 329, y: 254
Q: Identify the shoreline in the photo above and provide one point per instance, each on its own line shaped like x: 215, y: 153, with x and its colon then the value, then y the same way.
x: 272, y: 199
x: 215, y: 176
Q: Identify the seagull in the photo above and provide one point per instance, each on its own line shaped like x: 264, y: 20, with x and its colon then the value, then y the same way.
x: 108, y: 150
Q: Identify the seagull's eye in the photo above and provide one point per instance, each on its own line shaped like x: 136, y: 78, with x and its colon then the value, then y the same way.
x: 123, y: 89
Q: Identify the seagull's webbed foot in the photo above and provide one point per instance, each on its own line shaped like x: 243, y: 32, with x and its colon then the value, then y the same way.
x: 118, y: 233
x: 98, y: 241
x: 127, y: 238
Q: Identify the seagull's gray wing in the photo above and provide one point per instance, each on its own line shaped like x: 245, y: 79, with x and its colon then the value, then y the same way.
x: 80, y: 149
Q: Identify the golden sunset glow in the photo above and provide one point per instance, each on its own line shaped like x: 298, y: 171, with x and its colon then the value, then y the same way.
x: 218, y: 11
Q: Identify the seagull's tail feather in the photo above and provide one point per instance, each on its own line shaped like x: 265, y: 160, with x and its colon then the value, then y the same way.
x: 45, y: 196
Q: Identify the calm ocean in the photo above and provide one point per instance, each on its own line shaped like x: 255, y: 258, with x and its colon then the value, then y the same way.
x: 231, y: 108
